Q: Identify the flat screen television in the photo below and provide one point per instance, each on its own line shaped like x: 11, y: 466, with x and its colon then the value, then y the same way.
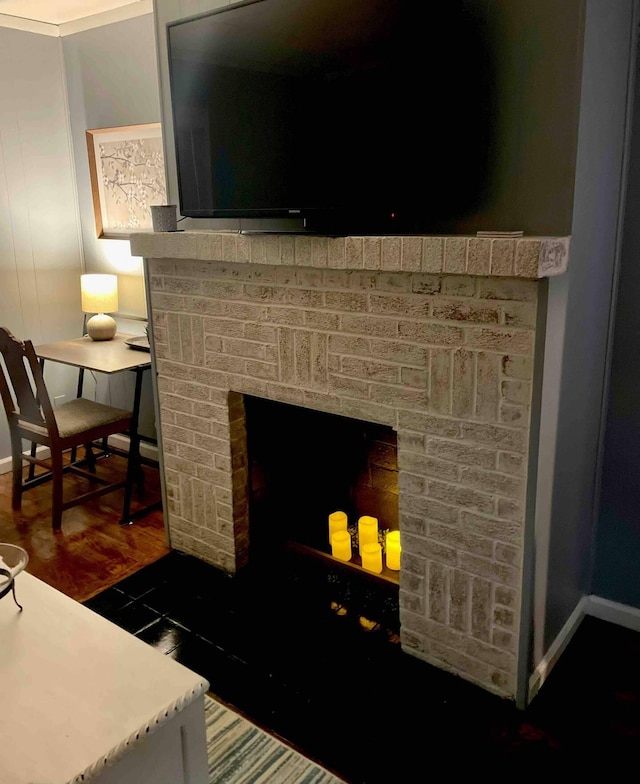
x: 332, y: 116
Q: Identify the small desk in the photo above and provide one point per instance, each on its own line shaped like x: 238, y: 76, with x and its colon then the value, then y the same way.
x: 101, y: 356
x: 83, y: 700
x: 107, y: 356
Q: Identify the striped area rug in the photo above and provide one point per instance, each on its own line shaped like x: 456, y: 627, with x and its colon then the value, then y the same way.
x: 241, y: 753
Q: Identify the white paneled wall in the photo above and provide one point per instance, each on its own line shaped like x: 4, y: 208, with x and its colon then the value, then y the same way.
x: 40, y: 249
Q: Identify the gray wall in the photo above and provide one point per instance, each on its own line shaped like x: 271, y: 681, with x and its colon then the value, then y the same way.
x: 40, y: 252
x: 578, y: 325
x: 617, y: 553
x: 536, y: 54
x: 112, y: 80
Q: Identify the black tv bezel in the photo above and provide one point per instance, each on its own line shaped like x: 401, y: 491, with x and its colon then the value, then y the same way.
x: 315, y: 220
x: 388, y: 219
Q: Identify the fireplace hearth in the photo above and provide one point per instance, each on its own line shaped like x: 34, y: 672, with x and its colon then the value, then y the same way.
x: 431, y: 339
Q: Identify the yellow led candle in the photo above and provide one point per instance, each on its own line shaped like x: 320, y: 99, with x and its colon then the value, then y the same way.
x: 371, y: 557
x: 337, y: 522
x: 393, y: 550
x: 367, y: 531
x: 341, y: 545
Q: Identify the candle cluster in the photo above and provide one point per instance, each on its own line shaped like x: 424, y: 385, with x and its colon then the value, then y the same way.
x: 369, y: 548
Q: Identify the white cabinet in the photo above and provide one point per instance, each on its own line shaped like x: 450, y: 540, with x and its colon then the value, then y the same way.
x: 83, y: 700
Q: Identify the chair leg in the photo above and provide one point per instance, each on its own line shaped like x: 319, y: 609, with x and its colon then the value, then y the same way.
x: 56, y: 478
x: 90, y: 457
x: 16, y: 466
x: 32, y: 466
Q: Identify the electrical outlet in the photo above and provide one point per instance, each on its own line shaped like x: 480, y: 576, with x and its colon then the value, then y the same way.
x: 58, y: 400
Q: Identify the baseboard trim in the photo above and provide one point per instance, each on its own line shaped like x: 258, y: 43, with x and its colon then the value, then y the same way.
x: 146, y: 450
x: 556, y: 649
x: 614, y: 612
x: 149, y: 451
x: 597, y: 607
x: 5, y: 462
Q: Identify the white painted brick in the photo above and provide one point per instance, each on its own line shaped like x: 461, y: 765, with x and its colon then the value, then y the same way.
x: 503, y: 253
x: 372, y: 253
x: 455, y: 254
x: 390, y: 330
x: 460, y: 539
x: 411, y: 254
x: 432, y: 254
x: 461, y: 452
x: 377, y: 326
x: 479, y: 256
x: 465, y: 497
x: 393, y: 282
x: 509, y: 532
x: 391, y: 253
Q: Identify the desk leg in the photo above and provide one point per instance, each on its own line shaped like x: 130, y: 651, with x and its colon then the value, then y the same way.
x: 78, y: 394
x: 134, y: 466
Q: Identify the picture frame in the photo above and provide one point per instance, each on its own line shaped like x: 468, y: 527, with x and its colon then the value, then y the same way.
x: 127, y: 172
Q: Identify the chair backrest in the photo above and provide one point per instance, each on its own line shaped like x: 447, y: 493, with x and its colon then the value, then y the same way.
x: 23, y: 403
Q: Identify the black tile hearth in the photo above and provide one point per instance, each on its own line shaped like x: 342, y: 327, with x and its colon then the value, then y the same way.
x: 109, y: 602
x: 135, y: 616
x: 294, y: 651
x: 164, y: 635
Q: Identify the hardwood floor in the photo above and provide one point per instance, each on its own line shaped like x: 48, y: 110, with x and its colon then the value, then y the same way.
x: 92, y: 551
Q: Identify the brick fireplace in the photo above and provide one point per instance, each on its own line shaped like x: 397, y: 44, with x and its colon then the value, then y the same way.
x: 433, y: 337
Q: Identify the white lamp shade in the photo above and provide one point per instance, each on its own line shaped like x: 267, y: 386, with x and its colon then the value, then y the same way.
x: 99, y: 293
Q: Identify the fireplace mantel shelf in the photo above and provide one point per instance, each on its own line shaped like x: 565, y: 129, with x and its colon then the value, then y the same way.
x: 531, y: 258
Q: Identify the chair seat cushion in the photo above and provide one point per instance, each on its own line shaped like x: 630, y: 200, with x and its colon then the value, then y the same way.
x: 82, y: 414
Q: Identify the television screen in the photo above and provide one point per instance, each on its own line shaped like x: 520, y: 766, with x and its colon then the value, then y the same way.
x: 349, y: 116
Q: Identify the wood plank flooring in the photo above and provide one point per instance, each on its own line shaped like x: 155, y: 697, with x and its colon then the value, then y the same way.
x: 92, y: 551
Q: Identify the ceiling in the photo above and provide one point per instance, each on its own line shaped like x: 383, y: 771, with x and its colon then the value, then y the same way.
x: 59, y: 12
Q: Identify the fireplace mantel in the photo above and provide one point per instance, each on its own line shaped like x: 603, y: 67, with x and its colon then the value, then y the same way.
x: 496, y: 255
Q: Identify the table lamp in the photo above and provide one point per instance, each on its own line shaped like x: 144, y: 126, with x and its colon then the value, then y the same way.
x: 100, y: 296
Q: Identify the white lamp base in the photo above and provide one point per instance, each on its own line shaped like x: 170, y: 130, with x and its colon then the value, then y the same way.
x: 101, y: 327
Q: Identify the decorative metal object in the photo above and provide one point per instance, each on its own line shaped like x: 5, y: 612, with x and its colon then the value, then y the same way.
x: 13, y: 560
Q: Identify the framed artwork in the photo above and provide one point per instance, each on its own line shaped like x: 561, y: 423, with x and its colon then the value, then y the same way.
x: 126, y: 165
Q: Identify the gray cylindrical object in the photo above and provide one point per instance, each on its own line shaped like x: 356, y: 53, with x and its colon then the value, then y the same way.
x: 163, y: 217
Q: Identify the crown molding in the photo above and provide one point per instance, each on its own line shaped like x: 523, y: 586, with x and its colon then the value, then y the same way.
x: 130, y: 11
x: 29, y: 25
x: 138, y: 8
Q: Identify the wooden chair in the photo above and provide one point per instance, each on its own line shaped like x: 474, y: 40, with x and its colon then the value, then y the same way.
x: 31, y: 417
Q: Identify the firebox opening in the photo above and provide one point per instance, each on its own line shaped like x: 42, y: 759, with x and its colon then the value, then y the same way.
x: 303, y: 465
